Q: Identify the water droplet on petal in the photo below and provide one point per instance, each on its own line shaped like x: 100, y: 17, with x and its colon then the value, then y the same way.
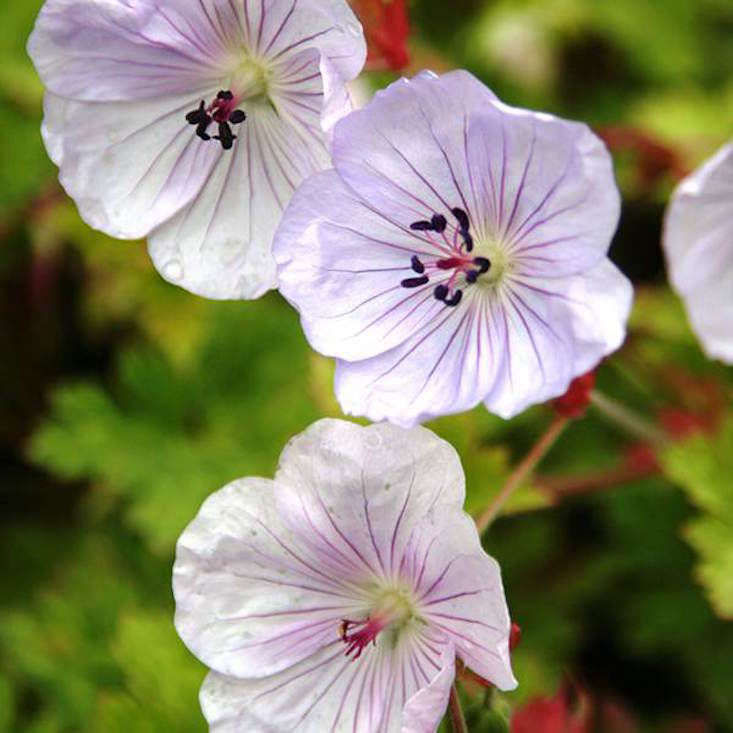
x: 173, y: 270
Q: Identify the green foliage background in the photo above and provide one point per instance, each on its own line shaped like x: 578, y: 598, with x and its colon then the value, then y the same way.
x: 125, y: 402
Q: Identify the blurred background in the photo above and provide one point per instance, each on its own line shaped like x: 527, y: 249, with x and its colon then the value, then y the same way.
x: 124, y: 402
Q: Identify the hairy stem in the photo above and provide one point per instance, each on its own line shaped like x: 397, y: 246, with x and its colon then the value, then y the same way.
x: 458, y: 721
x: 627, y: 418
x: 522, y: 470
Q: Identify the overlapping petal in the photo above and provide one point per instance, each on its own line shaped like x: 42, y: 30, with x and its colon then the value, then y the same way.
x: 122, y: 77
x: 698, y: 244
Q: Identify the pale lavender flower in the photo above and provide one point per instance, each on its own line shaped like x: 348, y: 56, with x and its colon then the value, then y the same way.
x: 698, y: 244
x: 192, y: 121
x: 337, y: 597
x: 456, y: 254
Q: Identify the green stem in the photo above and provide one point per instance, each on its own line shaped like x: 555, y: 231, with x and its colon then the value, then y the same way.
x: 457, y: 719
x: 521, y: 472
x: 627, y: 418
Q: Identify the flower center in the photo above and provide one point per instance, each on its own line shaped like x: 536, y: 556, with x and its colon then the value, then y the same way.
x: 390, y: 614
x: 456, y: 261
x: 223, y: 111
x: 250, y: 81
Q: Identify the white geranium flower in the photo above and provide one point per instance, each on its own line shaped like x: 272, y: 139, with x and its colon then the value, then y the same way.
x: 192, y: 121
x: 456, y: 253
x: 337, y: 597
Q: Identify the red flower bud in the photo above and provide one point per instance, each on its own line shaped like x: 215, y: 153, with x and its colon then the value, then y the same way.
x: 577, y: 398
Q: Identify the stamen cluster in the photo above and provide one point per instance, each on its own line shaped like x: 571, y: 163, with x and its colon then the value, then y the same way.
x: 222, y: 111
x: 459, y: 262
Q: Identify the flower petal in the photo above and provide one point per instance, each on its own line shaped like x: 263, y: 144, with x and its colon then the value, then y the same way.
x: 250, y: 600
x: 511, y: 350
x: 698, y: 244
x: 448, y: 365
x: 340, y: 263
x: 557, y: 329
x: 112, y: 50
x: 358, y: 492
x: 129, y: 166
x: 459, y: 592
x: 547, y: 187
x: 426, y: 707
x: 329, y: 692
x: 543, y: 184
x: 404, y: 153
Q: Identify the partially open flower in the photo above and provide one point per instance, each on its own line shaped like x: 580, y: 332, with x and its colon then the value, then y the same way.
x: 337, y: 596
x: 193, y: 122
x: 698, y: 244
x: 456, y: 254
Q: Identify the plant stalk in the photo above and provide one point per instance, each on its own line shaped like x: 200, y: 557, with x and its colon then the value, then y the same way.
x: 523, y: 469
x: 627, y: 419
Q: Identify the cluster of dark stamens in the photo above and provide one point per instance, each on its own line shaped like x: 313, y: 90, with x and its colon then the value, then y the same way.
x: 221, y: 112
x: 459, y: 263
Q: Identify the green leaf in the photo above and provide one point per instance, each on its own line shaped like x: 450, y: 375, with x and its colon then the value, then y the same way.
x: 703, y: 467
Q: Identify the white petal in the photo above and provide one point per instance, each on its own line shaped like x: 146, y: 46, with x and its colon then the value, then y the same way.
x: 448, y: 365
x: 129, y: 165
x: 426, y: 707
x: 512, y: 351
x: 558, y: 329
x: 434, y: 143
x: 405, y: 152
x: 251, y: 600
x: 113, y: 50
x: 698, y: 244
x: 220, y: 245
x: 459, y: 593
x: 329, y: 692
x: 360, y: 491
x: 340, y: 263
x: 546, y: 188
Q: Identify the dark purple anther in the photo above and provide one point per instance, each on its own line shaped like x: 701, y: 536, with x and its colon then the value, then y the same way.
x: 439, y: 223
x: 462, y: 218
x: 417, y: 266
x: 440, y: 292
x: 455, y: 300
x: 483, y: 264
x: 421, y: 226
x: 414, y: 282
x: 226, y: 137
x: 467, y: 240
x: 220, y: 111
x: 471, y: 276
x: 196, y: 116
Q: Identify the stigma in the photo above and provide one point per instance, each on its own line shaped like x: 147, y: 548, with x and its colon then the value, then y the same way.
x: 458, y: 263
x: 221, y: 111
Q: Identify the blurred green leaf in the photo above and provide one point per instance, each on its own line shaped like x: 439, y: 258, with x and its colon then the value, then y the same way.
x: 703, y: 466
